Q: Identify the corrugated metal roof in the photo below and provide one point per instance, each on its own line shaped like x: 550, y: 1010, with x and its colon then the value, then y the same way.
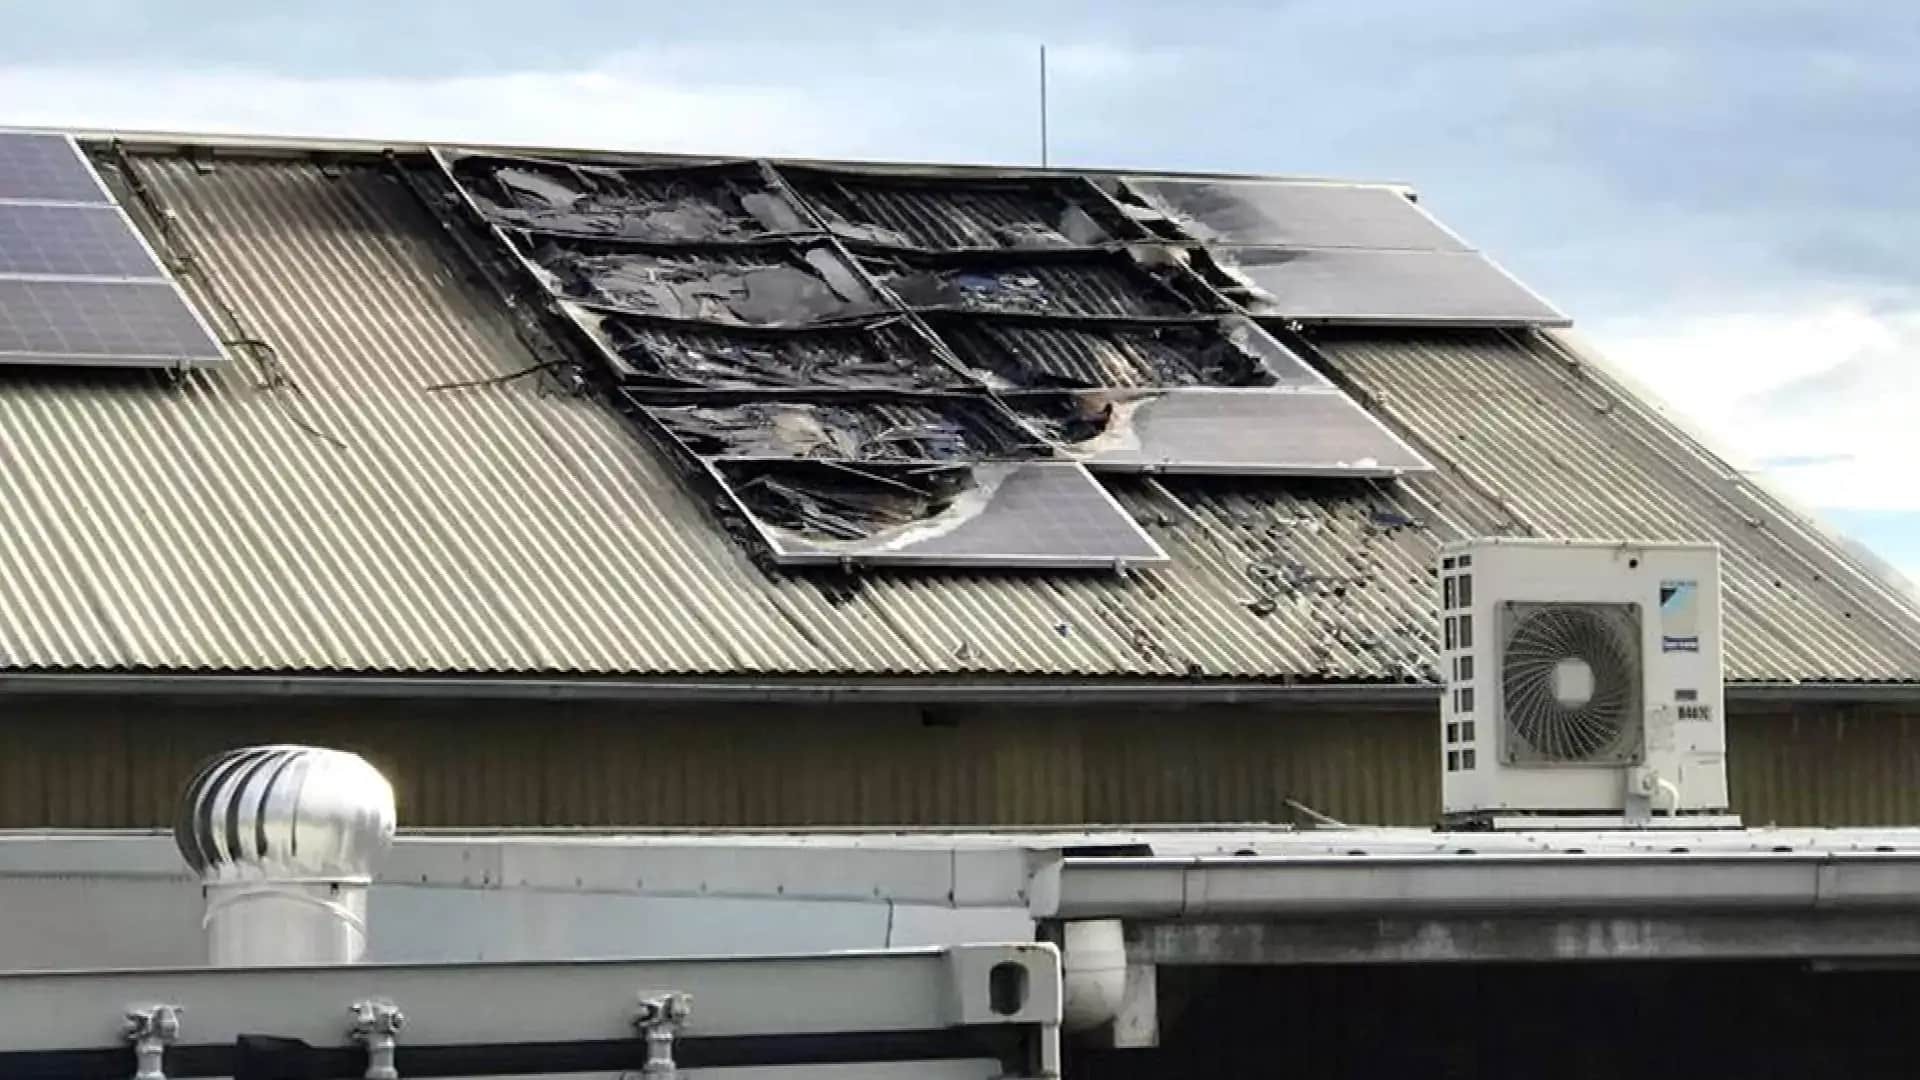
x: 1537, y: 442
x: 352, y: 519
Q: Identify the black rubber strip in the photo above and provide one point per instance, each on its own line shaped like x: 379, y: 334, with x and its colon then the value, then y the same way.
x: 265, y: 1057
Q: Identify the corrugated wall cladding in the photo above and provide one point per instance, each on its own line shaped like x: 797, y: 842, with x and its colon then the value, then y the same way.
x: 1534, y: 444
x: 108, y: 765
x: 64, y: 764
x: 1832, y: 766
x: 340, y: 509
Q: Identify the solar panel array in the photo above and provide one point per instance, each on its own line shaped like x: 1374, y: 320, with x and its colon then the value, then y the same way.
x: 78, y: 284
x: 890, y: 367
x: 1363, y: 254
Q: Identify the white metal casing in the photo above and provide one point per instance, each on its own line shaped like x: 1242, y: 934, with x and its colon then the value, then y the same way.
x: 286, y: 840
x: 1682, y: 767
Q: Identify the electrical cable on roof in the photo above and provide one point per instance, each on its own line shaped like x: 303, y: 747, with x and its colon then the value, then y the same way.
x: 276, y: 378
x: 495, y: 380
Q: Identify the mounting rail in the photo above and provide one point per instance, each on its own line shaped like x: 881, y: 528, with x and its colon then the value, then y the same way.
x: 998, y: 1005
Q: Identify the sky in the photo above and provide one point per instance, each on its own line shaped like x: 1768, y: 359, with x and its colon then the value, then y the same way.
x: 1722, y: 194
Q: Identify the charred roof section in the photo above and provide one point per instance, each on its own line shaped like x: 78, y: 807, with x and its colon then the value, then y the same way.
x: 702, y: 204
x: 1016, y: 354
x: 747, y: 285
x: 935, y: 430
x: 844, y: 353
x: 1095, y: 284
x: 881, y: 355
x: 953, y: 214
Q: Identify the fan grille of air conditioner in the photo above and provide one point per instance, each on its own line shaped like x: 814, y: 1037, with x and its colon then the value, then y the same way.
x: 1571, y: 684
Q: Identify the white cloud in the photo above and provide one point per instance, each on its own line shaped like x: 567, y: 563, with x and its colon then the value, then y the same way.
x: 611, y: 104
x: 1822, y: 399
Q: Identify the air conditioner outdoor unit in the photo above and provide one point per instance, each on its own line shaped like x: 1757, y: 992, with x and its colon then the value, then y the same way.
x: 1583, y: 684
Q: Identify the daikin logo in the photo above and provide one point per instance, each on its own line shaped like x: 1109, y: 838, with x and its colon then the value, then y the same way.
x: 1679, y: 616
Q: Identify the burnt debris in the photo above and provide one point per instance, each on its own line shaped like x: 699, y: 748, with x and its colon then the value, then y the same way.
x: 1095, y: 285
x: 933, y: 430
x: 1012, y: 354
x: 879, y: 366
x: 954, y: 214
x: 1071, y: 419
x: 887, y: 354
x: 756, y: 286
x: 697, y: 204
x: 823, y: 502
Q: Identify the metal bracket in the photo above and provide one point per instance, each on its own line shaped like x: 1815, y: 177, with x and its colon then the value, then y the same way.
x: 376, y: 1025
x: 151, y: 1029
x: 659, y: 1019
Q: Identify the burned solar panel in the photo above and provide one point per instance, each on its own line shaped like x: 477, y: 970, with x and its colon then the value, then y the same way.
x: 1002, y: 514
x: 956, y: 214
x: 910, y: 368
x: 922, y: 430
x: 1026, y: 354
x: 886, y: 354
x: 1298, y: 215
x: 726, y: 203
x: 1090, y: 284
x: 744, y: 285
x: 1389, y: 288
x: 1220, y: 432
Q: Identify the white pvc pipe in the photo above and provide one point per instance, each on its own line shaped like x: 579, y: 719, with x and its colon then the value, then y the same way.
x: 1673, y: 793
x: 284, y: 924
x: 1093, y: 970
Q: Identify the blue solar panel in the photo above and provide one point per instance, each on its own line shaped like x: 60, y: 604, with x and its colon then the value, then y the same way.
x: 71, y: 241
x: 78, y: 285
x: 47, y: 168
x: 100, y: 323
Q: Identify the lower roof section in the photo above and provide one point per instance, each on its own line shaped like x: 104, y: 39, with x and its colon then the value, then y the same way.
x: 370, y: 489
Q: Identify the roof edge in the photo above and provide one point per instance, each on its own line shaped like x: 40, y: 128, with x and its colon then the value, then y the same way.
x: 1757, y: 484
x: 165, y: 140
x: 818, y: 691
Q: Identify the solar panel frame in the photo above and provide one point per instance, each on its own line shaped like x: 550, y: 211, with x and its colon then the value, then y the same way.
x: 72, y: 241
x: 1296, y: 214
x: 62, y: 322
x: 39, y: 166
x: 1364, y: 287
x: 1217, y: 431
x: 1048, y: 514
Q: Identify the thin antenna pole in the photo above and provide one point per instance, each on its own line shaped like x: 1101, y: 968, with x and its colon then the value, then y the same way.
x: 1043, y: 106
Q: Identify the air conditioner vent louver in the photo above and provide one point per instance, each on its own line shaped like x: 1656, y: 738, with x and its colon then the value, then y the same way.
x: 1571, y: 684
